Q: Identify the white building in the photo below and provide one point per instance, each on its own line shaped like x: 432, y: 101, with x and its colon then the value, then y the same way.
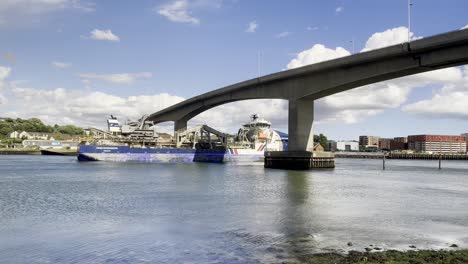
x: 31, y: 135
x: 347, y: 146
x: 14, y: 134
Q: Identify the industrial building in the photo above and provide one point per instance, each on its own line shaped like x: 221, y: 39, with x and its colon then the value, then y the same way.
x: 437, y: 144
x: 347, y: 146
x: 331, y: 146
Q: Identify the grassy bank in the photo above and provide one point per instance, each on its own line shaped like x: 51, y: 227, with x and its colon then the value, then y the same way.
x: 391, y: 257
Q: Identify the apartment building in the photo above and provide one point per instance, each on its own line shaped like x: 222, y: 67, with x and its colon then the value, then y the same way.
x: 368, y: 141
x: 437, y: 143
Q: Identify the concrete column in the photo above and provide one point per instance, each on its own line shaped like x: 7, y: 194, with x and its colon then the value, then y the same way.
x: 300, y: 125
x: 179, y: 126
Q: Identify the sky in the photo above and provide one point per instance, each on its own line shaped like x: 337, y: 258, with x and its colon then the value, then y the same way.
x: 78, y: 61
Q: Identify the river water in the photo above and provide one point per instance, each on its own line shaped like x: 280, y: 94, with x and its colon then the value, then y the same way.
x: 57, y: 210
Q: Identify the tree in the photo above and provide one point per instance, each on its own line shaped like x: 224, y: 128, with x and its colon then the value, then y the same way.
x: 322, y: 139
x: 70, y: 130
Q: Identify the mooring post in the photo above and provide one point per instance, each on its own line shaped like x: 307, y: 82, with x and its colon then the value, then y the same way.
x: 383, y: 161
x: 440, y: 161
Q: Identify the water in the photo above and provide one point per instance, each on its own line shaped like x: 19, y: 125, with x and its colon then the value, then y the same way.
x: 56, y: 210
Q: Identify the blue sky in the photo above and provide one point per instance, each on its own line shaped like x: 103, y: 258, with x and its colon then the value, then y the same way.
x: 70, y: 61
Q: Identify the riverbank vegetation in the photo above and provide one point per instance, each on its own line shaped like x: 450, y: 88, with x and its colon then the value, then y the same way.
x: 9, y: 125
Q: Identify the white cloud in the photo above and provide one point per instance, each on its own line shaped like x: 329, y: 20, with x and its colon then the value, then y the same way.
x: 61, y: 65
x: 103, y: 35
x: 465, y: 27
x: 450, y: 101
x: 388, y: 38
x: 91, y: 108
x: 120, y: 78
x: 316, y: 54
x: 86, y: 108
x: 84, y: 6
x: 339, y: 9
x: 207, y: 3
x: 14, y: 9
x: 252, y: 27
x: 177, y: 11
x: 276, y: 111
x: 451, y: 105
x: 312, y: 28
x: 43, y: 6
x: 354, y: 105
x: 4, y: 73
x: 283, y: 34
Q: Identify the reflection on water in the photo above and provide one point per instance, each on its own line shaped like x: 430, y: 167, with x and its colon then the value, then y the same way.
x: 56, y: 210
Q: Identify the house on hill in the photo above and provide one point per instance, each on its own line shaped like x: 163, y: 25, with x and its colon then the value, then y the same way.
x: 31, y: 135
x: 14, y: 134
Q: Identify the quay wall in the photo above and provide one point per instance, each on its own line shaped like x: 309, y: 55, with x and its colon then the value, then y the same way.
x: 415, y: 156
x: 19, y: 152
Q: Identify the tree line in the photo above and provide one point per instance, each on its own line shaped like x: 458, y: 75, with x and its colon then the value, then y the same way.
x: 35, y: 125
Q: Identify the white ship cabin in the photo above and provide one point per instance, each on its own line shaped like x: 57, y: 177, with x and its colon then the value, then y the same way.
x: 256, y: 122
x: 259, y: 135
x: 113, y: 125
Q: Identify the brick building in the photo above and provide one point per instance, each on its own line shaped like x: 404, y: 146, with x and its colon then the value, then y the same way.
x: 384, y: 143
x: 399, y: 143
x: 437, y: 143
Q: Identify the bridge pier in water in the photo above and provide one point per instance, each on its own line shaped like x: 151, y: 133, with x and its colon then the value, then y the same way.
x: 300, y: 154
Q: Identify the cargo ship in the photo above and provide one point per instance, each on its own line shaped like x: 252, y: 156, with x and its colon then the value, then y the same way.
x: 137, y: 141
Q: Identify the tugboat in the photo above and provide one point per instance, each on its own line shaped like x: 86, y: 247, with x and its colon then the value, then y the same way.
x: 137, y: 141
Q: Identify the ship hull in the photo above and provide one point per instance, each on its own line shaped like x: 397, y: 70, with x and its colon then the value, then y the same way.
x: 167, y: 155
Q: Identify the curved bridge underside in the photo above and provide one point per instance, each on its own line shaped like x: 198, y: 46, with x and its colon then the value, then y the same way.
x: 301, y: 86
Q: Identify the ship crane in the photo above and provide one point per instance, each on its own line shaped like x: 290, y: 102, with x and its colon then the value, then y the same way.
x: 202, y: 136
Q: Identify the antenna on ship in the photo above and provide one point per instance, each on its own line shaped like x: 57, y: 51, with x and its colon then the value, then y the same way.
x: 254, y: 117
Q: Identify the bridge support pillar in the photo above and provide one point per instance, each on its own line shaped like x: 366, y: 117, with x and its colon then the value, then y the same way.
x: 299, y: 155
x: 179, y: 126
x: 300, y: 125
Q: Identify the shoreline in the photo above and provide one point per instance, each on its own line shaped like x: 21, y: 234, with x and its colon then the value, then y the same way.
x: 20, y: 152
x: 389, y: 256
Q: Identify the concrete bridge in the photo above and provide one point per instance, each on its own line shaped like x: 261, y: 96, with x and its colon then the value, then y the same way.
x: 302, y: 86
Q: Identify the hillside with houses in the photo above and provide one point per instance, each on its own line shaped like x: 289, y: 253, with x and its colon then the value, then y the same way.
x: 33, y: 133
